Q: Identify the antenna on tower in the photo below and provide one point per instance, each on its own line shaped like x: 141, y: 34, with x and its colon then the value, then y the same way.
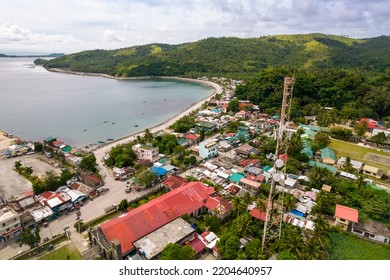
x: 274, y: 204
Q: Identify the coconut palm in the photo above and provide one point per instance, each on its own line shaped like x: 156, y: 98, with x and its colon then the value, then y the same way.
x: 239, y: 205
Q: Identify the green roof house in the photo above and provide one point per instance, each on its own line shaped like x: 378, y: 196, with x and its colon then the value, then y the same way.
x: 328, y: 156
x: 236, y: 177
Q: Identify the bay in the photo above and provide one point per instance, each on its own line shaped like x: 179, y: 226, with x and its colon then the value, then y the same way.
x: 80, y: 110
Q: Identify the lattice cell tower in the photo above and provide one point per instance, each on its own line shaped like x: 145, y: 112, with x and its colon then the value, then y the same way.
x: 274, y: 204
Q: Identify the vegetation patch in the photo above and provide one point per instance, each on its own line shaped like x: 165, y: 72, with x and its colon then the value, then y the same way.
x: 67, y: 252
x: 155, y: 50
x: 350, y: 247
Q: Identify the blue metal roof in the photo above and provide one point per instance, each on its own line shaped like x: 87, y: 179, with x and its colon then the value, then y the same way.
x: 158, y: 170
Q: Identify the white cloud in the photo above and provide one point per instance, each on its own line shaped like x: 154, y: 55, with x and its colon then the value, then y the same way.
x: 110, y: 36
x: 75, y: 25
x: 17, y: 36
x: 162, y: 29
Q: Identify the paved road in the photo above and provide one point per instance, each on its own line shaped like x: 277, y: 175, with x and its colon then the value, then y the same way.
x: 90, y: 210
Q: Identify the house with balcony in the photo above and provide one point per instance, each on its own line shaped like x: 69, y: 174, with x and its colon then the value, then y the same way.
x: 10, y: 225
x: 146, y: 152
x: 208, y: 148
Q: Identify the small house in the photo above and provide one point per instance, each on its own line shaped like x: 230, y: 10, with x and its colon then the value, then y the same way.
x: 373, y: 231
x: 328, y: 156
x: 373, y: 171
x: 345, y: 217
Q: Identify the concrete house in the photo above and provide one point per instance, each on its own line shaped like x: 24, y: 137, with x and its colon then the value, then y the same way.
x: 357, y: 165
x: 373, y: 171
x: 208, y: 148
x: 146, y: 152
x: 345, y: 217
x: 373, y: 231
x: 10, y: 225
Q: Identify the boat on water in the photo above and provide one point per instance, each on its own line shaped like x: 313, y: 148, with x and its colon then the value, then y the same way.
x: 113, y: 123
x: 101, y: 142
x: 84, y: 130
x: 136, y: 125
x: 105, y: 122
x: 110, y: 139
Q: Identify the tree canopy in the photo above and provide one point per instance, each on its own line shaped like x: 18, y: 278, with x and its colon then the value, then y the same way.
x: 236, y: 57
x: 175, y: 251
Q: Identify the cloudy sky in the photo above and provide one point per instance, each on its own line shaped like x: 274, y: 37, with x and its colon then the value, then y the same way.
x: 42, y: 26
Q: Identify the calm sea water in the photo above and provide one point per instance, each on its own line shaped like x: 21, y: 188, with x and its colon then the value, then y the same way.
x: 79, y: 110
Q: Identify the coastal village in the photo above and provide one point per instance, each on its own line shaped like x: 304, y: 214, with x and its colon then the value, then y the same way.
x: 183, y: 187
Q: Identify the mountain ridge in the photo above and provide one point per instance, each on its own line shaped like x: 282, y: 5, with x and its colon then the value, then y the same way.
x: 232, y: 56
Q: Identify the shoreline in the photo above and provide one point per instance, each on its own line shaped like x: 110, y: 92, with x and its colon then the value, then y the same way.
x: 101, y: 150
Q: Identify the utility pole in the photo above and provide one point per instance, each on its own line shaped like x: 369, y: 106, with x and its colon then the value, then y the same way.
x: 274, y: 204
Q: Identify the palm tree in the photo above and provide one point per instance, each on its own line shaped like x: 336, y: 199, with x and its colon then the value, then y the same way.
x: 289, y: 202
x: 148, y: 135
x: 17, y: 165
x: 321, y: 231
x: 239, y: 205
x: 348, y: 165
x: 248, y: 198
x: 360, y: 181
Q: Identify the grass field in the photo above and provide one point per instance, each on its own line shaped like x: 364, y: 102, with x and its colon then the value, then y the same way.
x: 67, y: 252
x: 349, y: 247
x: 345, y: 149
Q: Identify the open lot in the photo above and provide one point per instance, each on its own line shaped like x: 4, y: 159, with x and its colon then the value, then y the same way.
x: 11, y: 183
x: 350, y: 247
x: 355, y: 152
x: 377, y: 158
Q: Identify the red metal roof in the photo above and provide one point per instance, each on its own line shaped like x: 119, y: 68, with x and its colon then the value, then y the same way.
x: 174, y: 182
x: 204, y: 234
x: 257, y: 214
x: 346, y: 213
x: 283, y: 157
x: 156, y: 213
x: 74, y: 186
x: 197, y: 244
x: 218, y: 203
x: 246, y: 162
x: 92, y: 178
x: 193, y: 137
x: 370, y: 123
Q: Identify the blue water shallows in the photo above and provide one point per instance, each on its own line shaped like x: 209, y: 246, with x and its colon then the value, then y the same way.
x: 79, y: 110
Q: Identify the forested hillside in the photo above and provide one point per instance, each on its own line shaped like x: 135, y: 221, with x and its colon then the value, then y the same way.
x: 233, y: 57
x: 352, y: 93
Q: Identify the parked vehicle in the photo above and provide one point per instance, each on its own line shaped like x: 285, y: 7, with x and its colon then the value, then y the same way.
x: 102, y: 189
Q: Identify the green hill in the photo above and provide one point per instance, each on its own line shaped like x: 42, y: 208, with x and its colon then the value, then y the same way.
x: 233, y: 56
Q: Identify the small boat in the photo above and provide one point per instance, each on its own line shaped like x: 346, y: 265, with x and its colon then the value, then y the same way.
x: 84, y: 130
x: 136, y: 125
x: 105, y: 122
x: 113, y: 123
x: 101, y: 142
x: 110, y: 139
x: 144, y: 101
x: 143, y: 113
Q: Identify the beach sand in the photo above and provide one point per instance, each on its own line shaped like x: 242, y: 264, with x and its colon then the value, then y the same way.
x: 103, y: 150
x: 5, y: 142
